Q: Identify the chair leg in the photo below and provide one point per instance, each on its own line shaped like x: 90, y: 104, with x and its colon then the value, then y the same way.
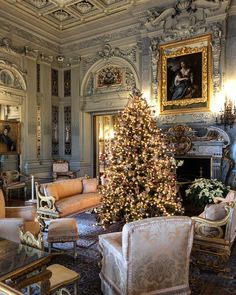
x: 76, y: 288
x: 25, y: 192
x: 75, y: 250
x: 7, y: 194
x: 49, y: 247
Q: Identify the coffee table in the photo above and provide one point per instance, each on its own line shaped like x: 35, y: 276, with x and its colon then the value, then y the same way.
x: 24, y: 265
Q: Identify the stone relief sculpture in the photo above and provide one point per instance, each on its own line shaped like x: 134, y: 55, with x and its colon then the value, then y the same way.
x: 129, y: 78
x: 90, y: 85
x: 183, y: 20
x: 111, y: 75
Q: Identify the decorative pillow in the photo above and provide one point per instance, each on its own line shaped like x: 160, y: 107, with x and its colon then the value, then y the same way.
x: 89, y: 185
x: 215, y: 212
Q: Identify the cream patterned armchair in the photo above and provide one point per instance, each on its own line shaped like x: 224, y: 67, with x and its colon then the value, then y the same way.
x: 150, y: 256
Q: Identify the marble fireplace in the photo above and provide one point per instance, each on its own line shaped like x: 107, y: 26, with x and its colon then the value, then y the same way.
x: 203, y: 150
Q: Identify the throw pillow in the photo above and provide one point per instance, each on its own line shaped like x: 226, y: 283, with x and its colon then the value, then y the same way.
x: 89, y: 185
x: 215, y: 212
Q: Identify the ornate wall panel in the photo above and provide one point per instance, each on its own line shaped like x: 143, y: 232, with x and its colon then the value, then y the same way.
x: 38, y: 133
x: 55, y: 131
x: 38, y: 77
x: 54, y: 82
x: 67, y: 83
x: 67, y: 131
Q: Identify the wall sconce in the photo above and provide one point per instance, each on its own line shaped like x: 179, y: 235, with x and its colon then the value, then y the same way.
x: 227, y: 115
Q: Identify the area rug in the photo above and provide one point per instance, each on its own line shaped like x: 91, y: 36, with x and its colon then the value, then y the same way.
x: 201, y: 283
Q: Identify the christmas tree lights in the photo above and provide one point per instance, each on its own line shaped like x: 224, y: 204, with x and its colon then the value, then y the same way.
x: 141, y: 173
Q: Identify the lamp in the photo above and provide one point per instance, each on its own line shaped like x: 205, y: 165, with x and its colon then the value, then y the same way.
x: 227, y: 115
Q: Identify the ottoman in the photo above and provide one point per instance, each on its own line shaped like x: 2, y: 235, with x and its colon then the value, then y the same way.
x: 62, y: 276
x: 63, y: 230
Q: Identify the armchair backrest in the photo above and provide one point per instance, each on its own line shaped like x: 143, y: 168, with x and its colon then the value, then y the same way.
x: 158, y: 248
x: 60, y: 166
x: 231, y: 198
x: 10, y: 176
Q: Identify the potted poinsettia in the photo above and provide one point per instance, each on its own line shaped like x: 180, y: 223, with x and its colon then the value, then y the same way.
x: 202, y: 191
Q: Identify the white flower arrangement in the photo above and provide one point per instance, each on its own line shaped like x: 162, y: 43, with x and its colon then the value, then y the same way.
x: 203, y: 191
x: 176, y: 163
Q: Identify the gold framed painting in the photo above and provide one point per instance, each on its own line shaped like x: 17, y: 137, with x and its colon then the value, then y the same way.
x: 9, y: 137
x: 185, y: 75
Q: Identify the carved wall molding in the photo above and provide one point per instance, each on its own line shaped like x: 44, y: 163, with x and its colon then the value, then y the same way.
x: 107, y: 52
x: 11, y: 97
x: 7, y: 45
x: 29, y: 36
x: 104, y: 38
x: 16, y: 74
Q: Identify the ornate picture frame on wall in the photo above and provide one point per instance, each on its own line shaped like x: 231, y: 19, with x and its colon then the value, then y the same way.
x: 185, y: 75
x: 9, y: 137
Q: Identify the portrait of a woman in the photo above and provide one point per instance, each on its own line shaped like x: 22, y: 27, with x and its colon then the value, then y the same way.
x: 183, y: 77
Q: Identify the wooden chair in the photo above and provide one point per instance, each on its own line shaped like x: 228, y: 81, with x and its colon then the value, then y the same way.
x: 60, y: 169
x: 13, y: 180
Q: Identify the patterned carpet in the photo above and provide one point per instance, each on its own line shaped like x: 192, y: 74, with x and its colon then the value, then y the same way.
x: 201, y: 283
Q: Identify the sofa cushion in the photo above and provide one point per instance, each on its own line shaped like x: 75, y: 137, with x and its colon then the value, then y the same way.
x: 78, y: 203
x: 90, y: 185
x: 64, y: 189
x: 215, y: 212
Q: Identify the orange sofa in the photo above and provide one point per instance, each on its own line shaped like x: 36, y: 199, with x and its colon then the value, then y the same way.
x: 66, y: 197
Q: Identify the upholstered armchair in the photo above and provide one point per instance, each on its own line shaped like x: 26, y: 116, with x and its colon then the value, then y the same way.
x: 150, y: 256
x: 18, y: 223
x: 215, y: 234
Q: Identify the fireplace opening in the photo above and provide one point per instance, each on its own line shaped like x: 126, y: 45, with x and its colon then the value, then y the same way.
x: 194, y: 168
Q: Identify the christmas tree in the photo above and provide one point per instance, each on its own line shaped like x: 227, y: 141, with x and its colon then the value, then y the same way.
x: 141, y: 173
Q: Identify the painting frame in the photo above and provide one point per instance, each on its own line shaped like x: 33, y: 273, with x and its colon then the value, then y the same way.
x: 191, y: 56
x: 9, y: 137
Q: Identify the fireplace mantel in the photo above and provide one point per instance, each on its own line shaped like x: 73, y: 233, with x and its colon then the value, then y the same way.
x: 213, y: 144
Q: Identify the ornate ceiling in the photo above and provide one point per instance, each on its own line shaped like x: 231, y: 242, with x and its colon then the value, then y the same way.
x: 64, y: 14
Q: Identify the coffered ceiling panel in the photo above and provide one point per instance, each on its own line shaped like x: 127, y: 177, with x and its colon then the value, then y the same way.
x: 64, y: 14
